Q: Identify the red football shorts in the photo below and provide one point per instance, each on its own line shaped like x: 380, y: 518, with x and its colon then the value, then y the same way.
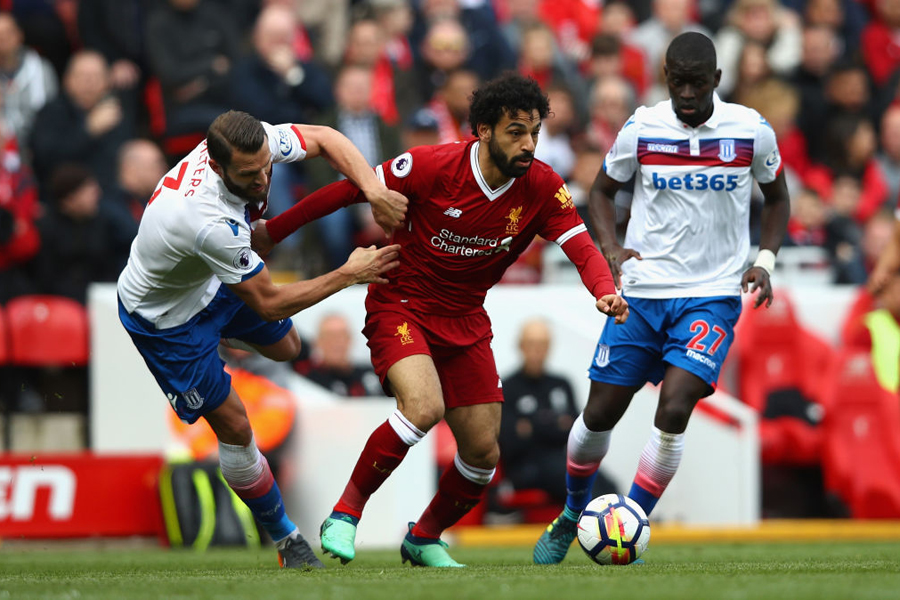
x: 459, y: 346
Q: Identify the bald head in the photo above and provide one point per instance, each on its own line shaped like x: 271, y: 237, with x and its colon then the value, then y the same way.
x: 534, y: 344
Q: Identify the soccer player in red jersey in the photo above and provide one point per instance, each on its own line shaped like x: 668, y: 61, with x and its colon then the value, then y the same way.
x: 474, y: 208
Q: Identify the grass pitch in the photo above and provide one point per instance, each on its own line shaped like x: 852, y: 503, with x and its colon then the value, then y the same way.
x: 869, y: 570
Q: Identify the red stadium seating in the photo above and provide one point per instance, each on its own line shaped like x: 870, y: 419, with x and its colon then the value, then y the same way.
x: 47, y: 331
x: 4, y: 338
x: 772, y: 350
x: 861, y: 449
x: 853, y: 329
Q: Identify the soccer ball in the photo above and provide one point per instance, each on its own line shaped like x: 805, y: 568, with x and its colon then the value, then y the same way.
x: 613, y: 530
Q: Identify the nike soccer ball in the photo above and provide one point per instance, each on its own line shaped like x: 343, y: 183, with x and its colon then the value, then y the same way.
x: 613, y: 530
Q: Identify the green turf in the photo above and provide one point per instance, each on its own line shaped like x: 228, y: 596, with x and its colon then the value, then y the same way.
x: 718, y: 571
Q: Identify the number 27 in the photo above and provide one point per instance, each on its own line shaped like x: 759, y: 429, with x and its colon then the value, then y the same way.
x: 701, y: 328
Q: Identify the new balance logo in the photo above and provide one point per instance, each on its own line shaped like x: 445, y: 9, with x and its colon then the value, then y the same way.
x: 453, y: 212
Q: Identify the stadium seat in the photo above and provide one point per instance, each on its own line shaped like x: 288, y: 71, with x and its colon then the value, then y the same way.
x: 773, y: 351
x: 861, y: 446
x: 853, y: 325
x: 4, y: 338
x: 47, y: 331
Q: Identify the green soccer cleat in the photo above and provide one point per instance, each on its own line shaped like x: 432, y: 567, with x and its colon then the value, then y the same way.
x: 426, y: 552
x: 338, y: 533
x: 552, y: 546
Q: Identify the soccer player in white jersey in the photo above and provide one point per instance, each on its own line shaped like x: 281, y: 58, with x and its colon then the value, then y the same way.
x: 694, y: 159
x: 193, y: 238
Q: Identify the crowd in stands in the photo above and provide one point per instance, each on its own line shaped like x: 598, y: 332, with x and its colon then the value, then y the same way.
x: 98, y: 97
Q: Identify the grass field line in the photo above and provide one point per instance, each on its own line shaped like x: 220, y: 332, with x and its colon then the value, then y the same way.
x: 773, y: 530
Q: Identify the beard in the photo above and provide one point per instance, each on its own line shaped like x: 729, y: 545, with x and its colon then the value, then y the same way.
x: 505, y: 164
x: 244, y: 193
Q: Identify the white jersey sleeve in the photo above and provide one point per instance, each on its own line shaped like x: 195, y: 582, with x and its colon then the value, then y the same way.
x: 766, y: 158
x: 621, y: 161
x: 225, y: 247
x: 286, y: 143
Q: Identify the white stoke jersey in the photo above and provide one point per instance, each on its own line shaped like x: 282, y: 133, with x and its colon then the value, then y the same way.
x: 194, y: 236
x: 690, y: 213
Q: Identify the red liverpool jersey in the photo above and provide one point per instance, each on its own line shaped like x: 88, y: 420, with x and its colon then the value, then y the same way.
x: 460, y: 235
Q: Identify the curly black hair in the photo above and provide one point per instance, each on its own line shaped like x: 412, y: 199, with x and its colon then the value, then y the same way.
x: 509, y: 93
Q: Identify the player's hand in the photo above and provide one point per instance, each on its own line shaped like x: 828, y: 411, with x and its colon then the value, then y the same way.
x: 388, y: 208
x: 613, y: 305
x: 368, y: 265
x: 757, y: 278
x: 615, y: 255
x: 260, y: 240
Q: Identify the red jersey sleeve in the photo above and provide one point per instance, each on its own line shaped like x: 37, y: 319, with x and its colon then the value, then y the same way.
x: 563, y: 225
x: 413, y: 173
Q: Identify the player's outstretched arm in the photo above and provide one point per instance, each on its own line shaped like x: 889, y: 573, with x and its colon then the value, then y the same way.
x: 274, y: 302
x: 888, y: 263
x: 602, y: 207
x: 388, y: 206
x: 775, y: 214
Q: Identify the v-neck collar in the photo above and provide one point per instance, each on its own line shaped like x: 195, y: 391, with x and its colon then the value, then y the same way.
x: 479, y: 176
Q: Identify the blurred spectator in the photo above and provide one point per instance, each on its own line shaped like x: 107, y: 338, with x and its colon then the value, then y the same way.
x: 49, y: 26
x: 19, y: 239
x: 395, y: 18
x: 391, y: 87
x: 809, y: 216
x: 846, y: 18
x: 765, y: 22
x: 779, y: 103
x: 27, y: 81
x: 889, y: 155
x: 820, y: 50
x: 450, y: 105
x: 84, y: 237
x: 843, y: 234
x: 850, y: 152
x: 574, y: 22
x: 879, y: 330
x: 612, y: 103
x: 611, y: 56
x: 670, y: 18
x: 555, y: 144
x: 588, y: 161
x: 485, y: 49
x: 421, y: 129
x: 331, y: 365
x: 191, y: 48
x: 536, y: 61
x: 142, y: 166
x: 85, y: 123
x: 538, y: 411
x: 753, y: 69
x: 327, y: 22
x: 270, y: 82
x: 354, y: 117
x: 115, y: 29
x: 880, y: 46
x: 445, y: 50
x: 877, y: 234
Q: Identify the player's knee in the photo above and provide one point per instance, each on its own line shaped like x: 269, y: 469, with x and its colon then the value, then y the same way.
x: 424, y: 415
x: 287, y: 349
x: 673, y: 416
x: 600, y: 416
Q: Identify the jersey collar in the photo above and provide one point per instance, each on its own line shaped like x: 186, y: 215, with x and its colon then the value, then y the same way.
x: 712, y: 122
x: 479, y: 177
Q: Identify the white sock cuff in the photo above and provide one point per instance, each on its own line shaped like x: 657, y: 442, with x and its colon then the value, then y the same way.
x: 241, y: 465
x: 668, y: 441
x: 408, y: 432
x: 586, y: 437
x: 473, y: 474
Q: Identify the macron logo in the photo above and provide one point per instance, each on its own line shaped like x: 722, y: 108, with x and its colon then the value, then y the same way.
x: 666, y: 148
x: 453, y: 212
